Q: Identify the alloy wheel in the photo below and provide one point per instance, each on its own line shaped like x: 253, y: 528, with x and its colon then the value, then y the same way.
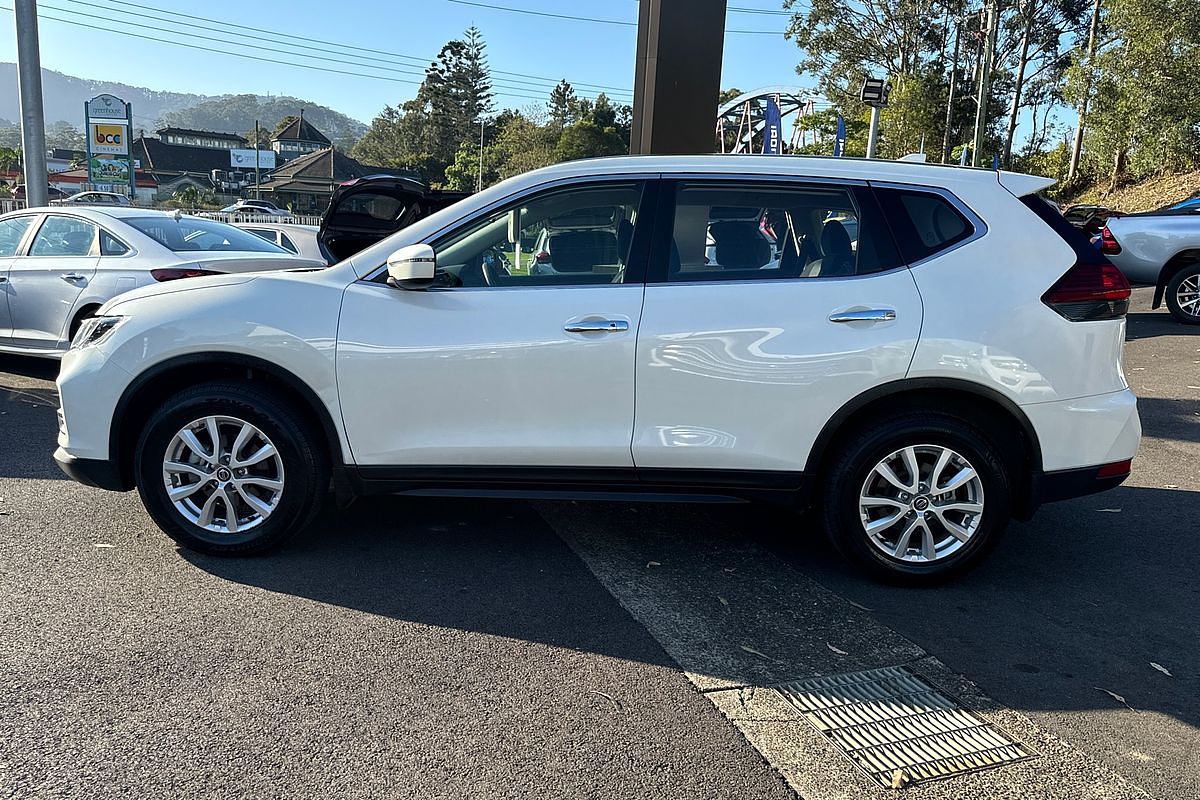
x: 223, y: 474
x: 921, y: 503
x: 1187, y: 295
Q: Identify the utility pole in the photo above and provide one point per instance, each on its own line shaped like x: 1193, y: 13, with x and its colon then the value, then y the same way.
x: 479, y: 182
x: 257, y: 179
x: 1077, y: 144
x: 985, y: 81
x: 29, y: 87
x: 953, y: 86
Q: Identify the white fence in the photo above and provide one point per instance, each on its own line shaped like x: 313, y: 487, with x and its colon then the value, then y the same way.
x: 8, y: 204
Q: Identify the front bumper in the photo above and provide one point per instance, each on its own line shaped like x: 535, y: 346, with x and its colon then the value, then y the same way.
x: 101, y: 473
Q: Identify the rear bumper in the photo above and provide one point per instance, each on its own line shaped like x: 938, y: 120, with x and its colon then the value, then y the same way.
x: 1068, y: 483
x: 101, y: 473
x: 1086, y: 432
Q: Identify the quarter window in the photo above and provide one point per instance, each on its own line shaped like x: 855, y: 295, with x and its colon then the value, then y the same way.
x: 11, y: 232
x: 111, y: 245
x: 767, y: 232
x: 577, y: 236
x: 64, y: 236
x: 924, y: 223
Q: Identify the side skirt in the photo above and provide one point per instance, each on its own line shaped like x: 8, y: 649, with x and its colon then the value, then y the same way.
x: 583, y: 483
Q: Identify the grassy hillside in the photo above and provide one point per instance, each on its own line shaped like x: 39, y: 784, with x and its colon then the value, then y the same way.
x: 1145, y: 195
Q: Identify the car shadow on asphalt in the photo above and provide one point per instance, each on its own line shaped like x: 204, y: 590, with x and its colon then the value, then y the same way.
x: 1148, y: 324
x: 490, y: 566
x: 28, y: 423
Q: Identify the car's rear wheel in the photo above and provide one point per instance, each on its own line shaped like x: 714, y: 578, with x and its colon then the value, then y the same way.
x: 916, y: 498
x: 230, y: 470
x: 1183, y: 294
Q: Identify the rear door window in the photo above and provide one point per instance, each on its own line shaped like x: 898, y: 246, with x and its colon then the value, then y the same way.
x: 64, y: 236
x: 768, y: 231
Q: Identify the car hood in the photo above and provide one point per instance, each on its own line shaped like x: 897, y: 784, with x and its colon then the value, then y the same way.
x: 171, y: 287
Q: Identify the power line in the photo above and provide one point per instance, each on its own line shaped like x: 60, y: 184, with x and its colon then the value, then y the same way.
x: 400, y: 71
x: 263, y: 59
x: 574, y: 18
x: 421, y: 60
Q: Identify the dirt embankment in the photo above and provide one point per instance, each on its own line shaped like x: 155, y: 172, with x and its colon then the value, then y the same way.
x: 1145, y: 195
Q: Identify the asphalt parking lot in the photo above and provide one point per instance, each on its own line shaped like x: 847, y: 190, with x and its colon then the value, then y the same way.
x: 451, y: 648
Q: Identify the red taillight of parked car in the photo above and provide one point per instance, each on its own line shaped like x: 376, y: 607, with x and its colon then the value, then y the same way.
x: 1090, y: 292
x: 1108, y: 243
x: 542, y: 258
x: 176, y: 274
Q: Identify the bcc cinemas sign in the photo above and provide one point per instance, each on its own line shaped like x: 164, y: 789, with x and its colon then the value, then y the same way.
x: 108, y: 138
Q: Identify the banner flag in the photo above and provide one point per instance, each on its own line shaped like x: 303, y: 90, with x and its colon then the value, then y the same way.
x: 773, y: 130
x: 839, y: 141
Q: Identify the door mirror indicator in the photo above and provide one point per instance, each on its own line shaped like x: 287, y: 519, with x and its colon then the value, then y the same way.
x: 412, y: 267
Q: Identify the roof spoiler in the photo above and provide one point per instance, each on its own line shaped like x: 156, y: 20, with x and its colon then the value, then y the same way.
x: 1021, y: 184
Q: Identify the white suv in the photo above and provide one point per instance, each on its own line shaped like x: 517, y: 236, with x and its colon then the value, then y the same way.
x: 954, y: 363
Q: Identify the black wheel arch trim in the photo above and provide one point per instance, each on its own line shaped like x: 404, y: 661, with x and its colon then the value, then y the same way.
x: 117, y: 430
x: 1174, y: 265
x: 817, y: 453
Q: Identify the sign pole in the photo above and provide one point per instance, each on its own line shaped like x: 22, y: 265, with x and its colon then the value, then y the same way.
x: 29, y: 87
x: 257, y: 180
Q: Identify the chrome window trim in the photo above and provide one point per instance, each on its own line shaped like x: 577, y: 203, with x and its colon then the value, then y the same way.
x: 577, y: 180
x: 781, y: 281
x: 981, y: 227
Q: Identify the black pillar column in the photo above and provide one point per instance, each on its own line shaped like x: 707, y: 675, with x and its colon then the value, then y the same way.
x: 677, y: 79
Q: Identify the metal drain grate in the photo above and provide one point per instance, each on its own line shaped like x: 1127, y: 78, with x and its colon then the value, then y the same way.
x: 889, y: 721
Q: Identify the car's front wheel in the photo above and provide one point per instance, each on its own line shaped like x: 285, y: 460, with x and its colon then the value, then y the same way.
x: 1183, y: 294
x: 228, y: 469
x: 916, y: 498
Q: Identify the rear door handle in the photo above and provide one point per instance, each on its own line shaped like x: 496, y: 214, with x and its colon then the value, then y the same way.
x: 3, y: 279
x: 71, y: 277
x: 865, y: 315
x: 597, y: 326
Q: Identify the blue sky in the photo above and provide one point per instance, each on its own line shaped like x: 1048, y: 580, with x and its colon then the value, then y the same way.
x: 549, y: 48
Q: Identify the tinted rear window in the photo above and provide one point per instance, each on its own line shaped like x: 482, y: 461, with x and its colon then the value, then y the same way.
x: 188, y: 234
x: 924, y: 223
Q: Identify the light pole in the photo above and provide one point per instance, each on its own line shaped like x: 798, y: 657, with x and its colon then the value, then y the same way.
x: 985, y: 79
x: 29, y: 87
x: 479, y: 182
x: 874, y: 93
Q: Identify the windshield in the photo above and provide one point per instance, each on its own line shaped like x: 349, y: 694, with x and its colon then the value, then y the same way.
x: 188, y: 234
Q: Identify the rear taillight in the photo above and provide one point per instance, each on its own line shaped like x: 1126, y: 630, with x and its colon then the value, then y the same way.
x: 176, y: 274
x: 1090, y: 292
x: 542, y: 258
x: 1108, y: 243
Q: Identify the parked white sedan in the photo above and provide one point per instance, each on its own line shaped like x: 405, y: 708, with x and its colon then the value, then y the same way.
x: 298, y: 239
x: 58, y: 265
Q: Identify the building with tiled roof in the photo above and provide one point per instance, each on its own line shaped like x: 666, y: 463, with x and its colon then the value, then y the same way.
x: 299, y: 138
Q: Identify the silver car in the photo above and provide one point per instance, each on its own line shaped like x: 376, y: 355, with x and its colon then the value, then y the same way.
x: 93, y: 199
x: 59, y: 265
x: 298, y: 239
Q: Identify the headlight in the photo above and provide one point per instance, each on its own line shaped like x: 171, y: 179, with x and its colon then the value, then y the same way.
x: 95, y: 330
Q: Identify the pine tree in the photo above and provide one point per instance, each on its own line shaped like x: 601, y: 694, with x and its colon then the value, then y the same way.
x: 561, y: 104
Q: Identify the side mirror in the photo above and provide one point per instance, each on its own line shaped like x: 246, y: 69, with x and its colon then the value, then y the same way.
x: 412, y: 267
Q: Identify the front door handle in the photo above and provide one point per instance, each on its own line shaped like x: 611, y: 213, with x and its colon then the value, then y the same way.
x: 597, y: 326
x: 71, y: 277
x: 865, y: 315
x: 3, y: 279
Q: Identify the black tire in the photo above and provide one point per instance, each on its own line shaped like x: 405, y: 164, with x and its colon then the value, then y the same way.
x: 861, y: 451
x: 300, y: 448
x: 1192, y: 272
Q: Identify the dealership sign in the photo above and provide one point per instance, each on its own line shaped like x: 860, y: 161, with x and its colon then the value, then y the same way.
x: 109, y: 138
x: 246, y: 159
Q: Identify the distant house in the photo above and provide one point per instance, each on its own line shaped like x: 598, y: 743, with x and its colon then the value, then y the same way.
x: 305, y: 184
x: 299, y: 139
x: 213, y: 140
x: 61, y: 159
